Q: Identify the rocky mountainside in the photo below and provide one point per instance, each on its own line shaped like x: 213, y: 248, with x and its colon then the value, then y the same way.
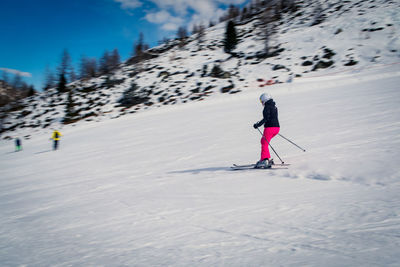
x: 317, y: 39
x: 8, y: 93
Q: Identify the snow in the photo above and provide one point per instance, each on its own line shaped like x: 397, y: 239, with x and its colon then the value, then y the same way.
x: 155, y: 188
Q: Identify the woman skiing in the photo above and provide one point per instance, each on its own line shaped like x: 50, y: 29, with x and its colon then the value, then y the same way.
x: 271, y: 128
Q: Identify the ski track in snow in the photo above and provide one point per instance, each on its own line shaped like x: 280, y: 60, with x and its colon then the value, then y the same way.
x: 155, y: 189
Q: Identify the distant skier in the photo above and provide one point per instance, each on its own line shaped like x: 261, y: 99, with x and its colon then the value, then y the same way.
x: 271, y: 128
x: 56, y: 137
x: 18, y: 144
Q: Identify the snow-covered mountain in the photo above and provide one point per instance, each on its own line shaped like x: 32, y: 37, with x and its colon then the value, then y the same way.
x: 155, y: 188
x: 351, y: 35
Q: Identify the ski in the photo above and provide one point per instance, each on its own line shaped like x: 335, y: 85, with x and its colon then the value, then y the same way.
x: 233, y: 168
x: 237, y: 167
x: 253, y: 165
x: 244, y: 166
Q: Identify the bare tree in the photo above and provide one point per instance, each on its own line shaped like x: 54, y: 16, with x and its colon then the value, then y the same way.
x: 267, y: 27
x: 109, y: 61
x: 50, y: 80
x: 195, y: 29
x: 244, y: 14
x: 164, y: 40
x: 65, y: 65
x: 200, y: 33
x: 5, y: 77
x: 233, y: 12
x: 17, y: 82
x: 88, y: 67
x: 319, y: 16
x: 182, y: 35
x: 139, y: 47
x: 72, y: 75
x: 256, y: 4
x: 115, y: 59
x: 288, y: 5
x: 3, y: 116
x: 104, y: 63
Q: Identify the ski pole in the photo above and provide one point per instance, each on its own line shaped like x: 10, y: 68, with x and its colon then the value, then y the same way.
x: 271, y: 147
x: 291, y: 142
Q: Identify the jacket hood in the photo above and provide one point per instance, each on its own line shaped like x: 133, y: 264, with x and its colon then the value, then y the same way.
x: 270, y: 102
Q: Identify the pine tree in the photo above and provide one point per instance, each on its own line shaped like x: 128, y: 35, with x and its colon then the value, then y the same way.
x: 62, y: 84
x: 231, y: 40
x: 217, y: 72
x: 71, y: 115
x: 31, y: 91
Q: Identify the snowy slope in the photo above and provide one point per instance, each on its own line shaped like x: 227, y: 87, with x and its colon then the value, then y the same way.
x: 155, y: 189
x: 354, y: 35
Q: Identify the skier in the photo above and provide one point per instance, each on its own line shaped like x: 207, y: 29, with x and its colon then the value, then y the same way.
x: 271, y: 128
x: 56, y: 137
x: 18, y: 144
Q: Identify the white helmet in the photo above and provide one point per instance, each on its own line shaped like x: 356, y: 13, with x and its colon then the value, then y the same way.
x: 265, y: 97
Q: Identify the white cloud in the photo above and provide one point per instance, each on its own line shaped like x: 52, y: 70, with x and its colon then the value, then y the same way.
x: 171, y: 14
x: 170, y: 26
x: 170, y: 23
x: 129, y: 4
x: 16, y: 72
x: 182, y: 7
x: 235, y: 2
x: 158, y: 17
x: 198, y: 6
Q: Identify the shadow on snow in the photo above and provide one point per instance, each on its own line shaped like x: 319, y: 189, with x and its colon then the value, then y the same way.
x: 211, y: 169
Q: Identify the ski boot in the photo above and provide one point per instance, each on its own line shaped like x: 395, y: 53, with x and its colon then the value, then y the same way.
x: 263, y: 164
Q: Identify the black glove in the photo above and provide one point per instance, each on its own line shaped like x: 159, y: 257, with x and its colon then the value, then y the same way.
x: 255, y: 125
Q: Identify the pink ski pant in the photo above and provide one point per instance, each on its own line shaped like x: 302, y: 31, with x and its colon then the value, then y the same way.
x: 269, y: 133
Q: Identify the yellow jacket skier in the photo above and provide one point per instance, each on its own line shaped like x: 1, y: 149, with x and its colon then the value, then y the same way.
x: 56, y: 137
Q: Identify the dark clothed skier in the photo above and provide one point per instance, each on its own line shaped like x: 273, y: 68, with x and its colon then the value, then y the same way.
x: 18, y: 145
x: 271, y: 129
x: 56, y: 137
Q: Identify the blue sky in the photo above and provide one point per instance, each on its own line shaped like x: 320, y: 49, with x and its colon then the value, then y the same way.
x: 34, y: 33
